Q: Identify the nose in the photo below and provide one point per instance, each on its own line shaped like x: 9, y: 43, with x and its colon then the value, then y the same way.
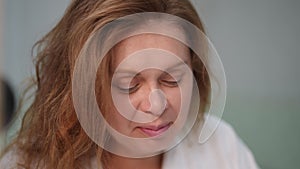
x: 155, y: 103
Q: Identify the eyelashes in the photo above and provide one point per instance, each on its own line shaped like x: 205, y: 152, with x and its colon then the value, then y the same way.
x: 130, y: 84
x: 128, y: 89
x: 171, y: 83
x: 133, y: 87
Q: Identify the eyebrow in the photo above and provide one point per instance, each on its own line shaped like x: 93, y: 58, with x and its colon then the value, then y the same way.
x: 134, y: 73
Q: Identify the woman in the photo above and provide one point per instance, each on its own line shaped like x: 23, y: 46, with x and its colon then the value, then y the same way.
x: 56, y: 129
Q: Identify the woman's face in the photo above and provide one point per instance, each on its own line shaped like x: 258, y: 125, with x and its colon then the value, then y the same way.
x: 149, y: 78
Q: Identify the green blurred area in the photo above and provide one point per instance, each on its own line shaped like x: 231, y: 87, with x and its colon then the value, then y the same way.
x: 269, y: 126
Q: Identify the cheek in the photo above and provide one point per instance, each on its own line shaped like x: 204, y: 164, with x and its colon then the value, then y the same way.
x: 180, y: 98
x: 118, y: 122
x: 174, y: 98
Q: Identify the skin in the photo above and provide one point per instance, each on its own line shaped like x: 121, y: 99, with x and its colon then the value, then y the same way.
x: 139, y: 85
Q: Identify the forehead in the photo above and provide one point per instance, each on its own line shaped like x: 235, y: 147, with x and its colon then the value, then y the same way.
x: 145, y: 41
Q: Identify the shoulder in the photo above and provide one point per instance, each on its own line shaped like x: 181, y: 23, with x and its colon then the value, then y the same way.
x: 10, y: 159
x: 223, y: 149
x: 227, y: 146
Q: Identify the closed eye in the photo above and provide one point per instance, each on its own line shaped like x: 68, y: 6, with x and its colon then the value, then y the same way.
x: 130, y: 89
x: 170, y: 83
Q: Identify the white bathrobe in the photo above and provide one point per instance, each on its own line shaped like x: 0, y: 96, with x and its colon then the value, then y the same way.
x: 223, y: 150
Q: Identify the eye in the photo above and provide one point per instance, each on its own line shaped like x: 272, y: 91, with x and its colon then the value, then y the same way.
x: 170, y: 83
x: 130, y: 89
x: 126, y: 83
x: 171, y: 80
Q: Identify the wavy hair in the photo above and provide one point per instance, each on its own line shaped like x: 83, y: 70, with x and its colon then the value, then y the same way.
x: 51, y: 136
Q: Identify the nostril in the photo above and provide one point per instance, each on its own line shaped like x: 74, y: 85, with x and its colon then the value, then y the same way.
x: 157, y: 101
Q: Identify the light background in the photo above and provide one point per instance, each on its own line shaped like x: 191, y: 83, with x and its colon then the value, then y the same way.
x: 258, y: 42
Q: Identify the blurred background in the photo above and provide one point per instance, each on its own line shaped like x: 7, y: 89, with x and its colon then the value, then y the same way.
x: 258, y: 42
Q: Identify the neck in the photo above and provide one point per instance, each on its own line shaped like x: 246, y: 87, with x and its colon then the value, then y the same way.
x: 119, y: 162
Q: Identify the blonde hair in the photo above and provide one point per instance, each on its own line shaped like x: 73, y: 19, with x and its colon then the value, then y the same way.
x: 51, y: 135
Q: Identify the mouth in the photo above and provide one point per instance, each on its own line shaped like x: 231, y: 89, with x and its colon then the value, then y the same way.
x: 152, y: 131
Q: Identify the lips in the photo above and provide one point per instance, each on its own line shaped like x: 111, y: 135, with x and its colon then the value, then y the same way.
x: 152, y: 131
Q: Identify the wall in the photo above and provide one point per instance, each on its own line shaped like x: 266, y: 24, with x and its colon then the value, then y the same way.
x: 1, y: 62
x: 258, y: 42
x: 24, y: 23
